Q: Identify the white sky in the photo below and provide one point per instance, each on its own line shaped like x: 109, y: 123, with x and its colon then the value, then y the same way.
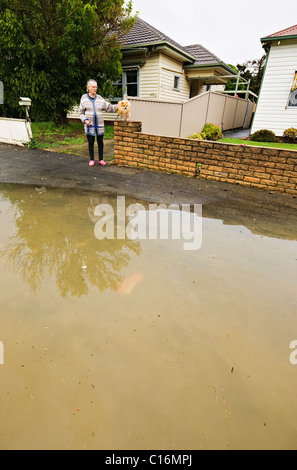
x: 231, y: 29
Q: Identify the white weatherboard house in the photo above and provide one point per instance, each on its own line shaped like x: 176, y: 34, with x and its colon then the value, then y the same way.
x: 277, y: 104
x: 155, y: 66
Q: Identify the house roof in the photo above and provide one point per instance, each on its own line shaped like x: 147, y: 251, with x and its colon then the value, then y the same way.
x: 202, y: 55
x: 285, y: 33
x: 145, y: 34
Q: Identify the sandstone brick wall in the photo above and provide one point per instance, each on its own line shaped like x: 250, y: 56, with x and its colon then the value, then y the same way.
x: 262, y: 167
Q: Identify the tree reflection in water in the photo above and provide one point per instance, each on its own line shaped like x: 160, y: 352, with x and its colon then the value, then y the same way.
x: 55, y: 239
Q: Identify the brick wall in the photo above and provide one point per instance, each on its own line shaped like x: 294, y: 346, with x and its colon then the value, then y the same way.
x: 261, y: 167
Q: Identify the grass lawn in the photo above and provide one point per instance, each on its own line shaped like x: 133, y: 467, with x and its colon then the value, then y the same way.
x: 260, y: 144
x: 69, y: 139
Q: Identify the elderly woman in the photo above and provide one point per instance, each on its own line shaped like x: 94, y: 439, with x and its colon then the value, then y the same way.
x: 90, y: 113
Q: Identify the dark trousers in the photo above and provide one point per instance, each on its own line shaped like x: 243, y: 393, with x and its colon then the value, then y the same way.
x: 91, y: 141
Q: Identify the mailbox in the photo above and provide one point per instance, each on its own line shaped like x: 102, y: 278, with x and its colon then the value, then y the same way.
x: 25, y: 102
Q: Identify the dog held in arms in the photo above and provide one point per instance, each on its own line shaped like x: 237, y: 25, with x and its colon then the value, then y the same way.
x: 124, y: 110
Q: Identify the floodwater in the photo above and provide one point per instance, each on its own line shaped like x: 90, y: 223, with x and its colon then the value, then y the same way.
x: 139, y: 344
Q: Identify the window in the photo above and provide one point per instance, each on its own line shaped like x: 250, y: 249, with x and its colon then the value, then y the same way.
x: 128, y: 85
x: 293, y: 93
x: 118, y: 91
x: 176, y: 83
x: 132, y: 82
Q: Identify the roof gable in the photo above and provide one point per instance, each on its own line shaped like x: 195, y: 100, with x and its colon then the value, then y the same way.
x: 143, y: 34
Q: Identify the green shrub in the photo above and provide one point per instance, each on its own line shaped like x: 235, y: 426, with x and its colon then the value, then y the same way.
x: 290, y: 135
x: 263, y: 135
x: 209, y: 132
x: 212, y: 132
x: 199, y: 136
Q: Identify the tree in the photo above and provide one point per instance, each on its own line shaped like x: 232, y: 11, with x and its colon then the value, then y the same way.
x: 231, y: 84
x: 50, y: 48
x: 252, y: 71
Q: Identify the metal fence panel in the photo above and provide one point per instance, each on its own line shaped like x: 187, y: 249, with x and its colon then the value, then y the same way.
x: 183, y: 119
x: 157, y: 116
x: 216, y: 108
x: 229, y: 113
x: 240, y: 113
x: 194, y: 115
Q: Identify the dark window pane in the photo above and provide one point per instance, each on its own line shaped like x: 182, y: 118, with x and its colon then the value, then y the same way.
x: 132, y: 90
x: 293, y: 99
x: 176, y: 85
x: 132, y: 76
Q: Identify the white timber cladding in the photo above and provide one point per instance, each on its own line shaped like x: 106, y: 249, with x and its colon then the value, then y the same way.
x: 217, y: 88
x: 149, y: 77
x: 272, y: 111
x: 169, y: 68
x: 205, y: 88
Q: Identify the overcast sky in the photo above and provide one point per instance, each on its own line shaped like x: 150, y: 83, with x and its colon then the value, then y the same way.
x: 231, y: 29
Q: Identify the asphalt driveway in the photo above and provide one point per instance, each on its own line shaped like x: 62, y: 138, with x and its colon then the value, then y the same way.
x: 234, y: 204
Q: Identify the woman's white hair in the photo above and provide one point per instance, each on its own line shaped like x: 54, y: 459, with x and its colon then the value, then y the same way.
x: 91, y: 81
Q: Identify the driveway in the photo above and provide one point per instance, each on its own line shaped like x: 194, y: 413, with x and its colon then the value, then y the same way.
x: 259, y: 210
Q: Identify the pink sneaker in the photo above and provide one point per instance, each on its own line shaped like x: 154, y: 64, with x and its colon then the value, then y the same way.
x: 91, y: 163
x: 102, y: 162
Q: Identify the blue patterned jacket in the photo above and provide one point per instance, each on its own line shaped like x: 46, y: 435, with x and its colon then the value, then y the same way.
x: 92, y: 109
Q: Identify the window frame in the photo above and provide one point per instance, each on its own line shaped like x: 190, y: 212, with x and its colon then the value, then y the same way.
x: 178, y: 77
x: 132, y: 69
x: 292, y: 90
x: 124, y: 82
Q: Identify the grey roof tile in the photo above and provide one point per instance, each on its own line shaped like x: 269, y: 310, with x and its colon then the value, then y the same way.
x: 144, y: 33
x: 202, y: 55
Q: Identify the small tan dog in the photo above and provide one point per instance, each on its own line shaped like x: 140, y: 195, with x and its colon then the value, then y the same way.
x: 124, y: 110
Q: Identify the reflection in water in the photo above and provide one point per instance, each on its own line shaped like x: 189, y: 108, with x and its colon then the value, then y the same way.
x: 129, y: 283
x: 168, y: 349
x: 55, y: 238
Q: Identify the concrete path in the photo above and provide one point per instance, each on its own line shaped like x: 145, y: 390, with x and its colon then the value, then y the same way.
x: 237, y: 134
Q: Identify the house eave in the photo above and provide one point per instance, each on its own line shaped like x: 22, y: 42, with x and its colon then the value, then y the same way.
x: 208, y: 65
x: 267, y: 40
x: 160, y: 45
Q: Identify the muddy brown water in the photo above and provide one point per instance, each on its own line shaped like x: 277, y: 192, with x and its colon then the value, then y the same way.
x: 121, y: 344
